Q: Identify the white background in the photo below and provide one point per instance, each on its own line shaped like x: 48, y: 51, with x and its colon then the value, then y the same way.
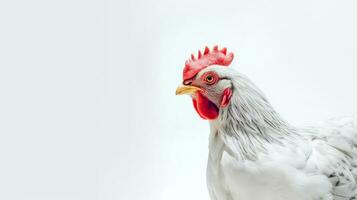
x: 87, y: 105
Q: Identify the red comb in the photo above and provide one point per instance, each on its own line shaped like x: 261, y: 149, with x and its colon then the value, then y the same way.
x: 209, y: 57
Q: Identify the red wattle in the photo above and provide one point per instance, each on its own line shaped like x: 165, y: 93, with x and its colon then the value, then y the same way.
x: 205, y: 108
x: 195, y: 106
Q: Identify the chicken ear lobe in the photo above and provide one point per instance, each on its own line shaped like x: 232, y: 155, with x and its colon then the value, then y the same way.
x: 226, y: 97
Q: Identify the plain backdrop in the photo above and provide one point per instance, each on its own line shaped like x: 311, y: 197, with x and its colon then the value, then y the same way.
x: 87, y: 104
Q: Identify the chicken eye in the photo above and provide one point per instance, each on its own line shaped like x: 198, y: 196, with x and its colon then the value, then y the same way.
x: 210, y: 78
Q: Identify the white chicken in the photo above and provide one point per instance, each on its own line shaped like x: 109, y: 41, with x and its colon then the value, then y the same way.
x: 254, y: 154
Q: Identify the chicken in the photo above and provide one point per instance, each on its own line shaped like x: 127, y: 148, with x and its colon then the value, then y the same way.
x: 254, y: 154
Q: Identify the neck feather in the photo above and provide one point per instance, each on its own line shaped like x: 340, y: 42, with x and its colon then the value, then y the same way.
x: 250, y: 123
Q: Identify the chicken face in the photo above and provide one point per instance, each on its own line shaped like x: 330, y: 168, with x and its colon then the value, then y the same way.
x: 210, y: 91
x: 205, y: 79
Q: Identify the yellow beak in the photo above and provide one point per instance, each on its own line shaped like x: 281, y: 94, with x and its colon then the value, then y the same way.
x: 186, y: 89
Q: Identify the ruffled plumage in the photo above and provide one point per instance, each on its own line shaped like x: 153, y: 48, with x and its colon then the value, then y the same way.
x: 255, y: 154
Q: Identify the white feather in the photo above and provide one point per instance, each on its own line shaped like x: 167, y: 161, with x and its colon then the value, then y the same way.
x: 256, y: 155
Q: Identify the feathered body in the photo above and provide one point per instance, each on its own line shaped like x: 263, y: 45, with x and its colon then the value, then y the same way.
x: 255, y: 155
